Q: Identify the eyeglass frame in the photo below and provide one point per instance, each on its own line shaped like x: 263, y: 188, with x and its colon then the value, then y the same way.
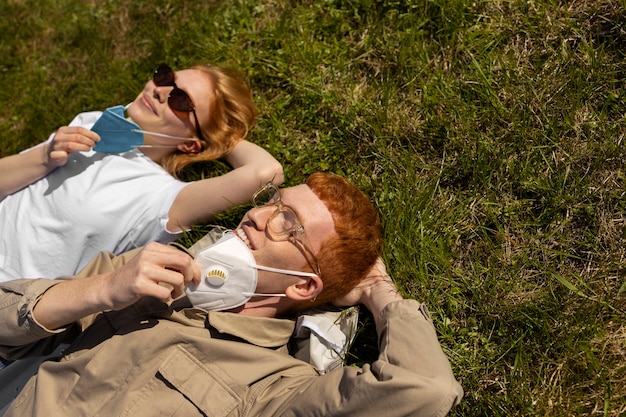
x: 294, y: 234
x: 177, y: 93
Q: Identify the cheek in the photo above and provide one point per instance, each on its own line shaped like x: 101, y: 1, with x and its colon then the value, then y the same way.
x: 289, y: 257
x: 174, y: 125
x: 168, y: 124
x: 275, y: 254
x: 134, y: 110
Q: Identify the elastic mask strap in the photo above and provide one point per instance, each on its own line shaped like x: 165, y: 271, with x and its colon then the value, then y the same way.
x: 161, y: 135
x: 280, y: 271
x: 154, y: 146
x: 254, y: 294
x: 286, y: 271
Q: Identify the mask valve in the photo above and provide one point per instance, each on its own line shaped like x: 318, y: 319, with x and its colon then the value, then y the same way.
x: 216, y: 276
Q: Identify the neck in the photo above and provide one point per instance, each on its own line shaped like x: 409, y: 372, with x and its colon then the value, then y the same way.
x: 263, y: 307
x: 156, y: 154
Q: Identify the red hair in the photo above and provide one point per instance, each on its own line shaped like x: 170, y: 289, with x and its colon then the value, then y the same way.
x: 347, y: 256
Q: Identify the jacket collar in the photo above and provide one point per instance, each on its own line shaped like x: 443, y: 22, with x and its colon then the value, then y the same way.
x: 260, y: 331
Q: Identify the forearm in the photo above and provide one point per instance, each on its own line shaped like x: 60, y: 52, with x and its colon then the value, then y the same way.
x: 408, y: 342
x: 253, y: 158
x: 20, y: 332
x: 375, y: 291
x: 199, y: 201
x: 116, y: 282
x: 379, y: 298
x: 72, y: 300
x: 411, y: 377
x: 20, y: 170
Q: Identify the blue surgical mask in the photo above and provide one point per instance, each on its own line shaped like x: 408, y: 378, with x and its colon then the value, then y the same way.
x: 119, y: 134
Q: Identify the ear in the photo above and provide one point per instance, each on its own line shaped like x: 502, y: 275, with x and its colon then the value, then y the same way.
x: 190, y: 146
x: 308, y: 288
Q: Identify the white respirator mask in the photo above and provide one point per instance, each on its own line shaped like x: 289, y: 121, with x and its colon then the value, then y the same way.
x: 229, y: 275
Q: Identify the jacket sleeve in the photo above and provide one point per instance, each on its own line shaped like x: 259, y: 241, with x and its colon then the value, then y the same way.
x: 412, y: 376
x: 19, y: 331
x: 20, y: 334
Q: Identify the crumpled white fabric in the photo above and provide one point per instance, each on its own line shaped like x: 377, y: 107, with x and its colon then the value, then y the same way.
x: 324, y: 336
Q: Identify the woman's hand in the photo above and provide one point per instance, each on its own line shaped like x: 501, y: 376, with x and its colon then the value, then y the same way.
x: 69, y: 139
x: 22, y: 169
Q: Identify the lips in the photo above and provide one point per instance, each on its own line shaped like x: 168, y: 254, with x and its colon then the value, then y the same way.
x: 146, y: 102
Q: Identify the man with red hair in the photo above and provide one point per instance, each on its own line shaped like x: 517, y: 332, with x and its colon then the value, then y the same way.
x: 138, y: 347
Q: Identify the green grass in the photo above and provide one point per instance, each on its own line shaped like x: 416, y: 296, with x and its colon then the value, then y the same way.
x: 489, y: 134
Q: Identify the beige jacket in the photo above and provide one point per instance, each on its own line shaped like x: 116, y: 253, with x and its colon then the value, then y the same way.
x: 153, y: 359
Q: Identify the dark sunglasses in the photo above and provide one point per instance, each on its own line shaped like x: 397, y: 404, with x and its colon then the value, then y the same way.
x: 178, y: 100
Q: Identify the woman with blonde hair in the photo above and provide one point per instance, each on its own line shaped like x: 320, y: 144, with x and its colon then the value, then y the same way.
x: 110, y: 180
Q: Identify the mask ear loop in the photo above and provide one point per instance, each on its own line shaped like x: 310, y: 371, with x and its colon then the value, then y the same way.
x: 155, y: 134
x: 280, y: 271
x: 286, y: 271
x: 162, y: 135
x: 255, y: 294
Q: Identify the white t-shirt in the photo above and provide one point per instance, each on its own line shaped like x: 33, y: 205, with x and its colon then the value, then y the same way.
x: 112, y: 202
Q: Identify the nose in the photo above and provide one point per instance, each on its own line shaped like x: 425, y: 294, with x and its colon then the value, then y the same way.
x: 260, y: 216
x: 161, y: 93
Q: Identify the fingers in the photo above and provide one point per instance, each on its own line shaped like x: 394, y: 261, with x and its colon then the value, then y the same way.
x: 58, y: 158
x: 78, y: 135
x: 375, y: 282
x: 156, y: 271
x: 173, y: 260
x: 162, y: 264
x: 377, y: 270
x: 70, y: 139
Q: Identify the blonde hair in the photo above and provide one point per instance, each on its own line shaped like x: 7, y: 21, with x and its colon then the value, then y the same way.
x: 232, y: 114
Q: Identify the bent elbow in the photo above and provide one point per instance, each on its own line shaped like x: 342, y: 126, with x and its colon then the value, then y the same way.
x: 274, y: 174
x: 440, y: 396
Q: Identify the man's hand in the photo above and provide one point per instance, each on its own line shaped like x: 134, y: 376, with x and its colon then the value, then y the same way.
x: 157, y: 270
x: 70, y: 139
x: 375, y: 291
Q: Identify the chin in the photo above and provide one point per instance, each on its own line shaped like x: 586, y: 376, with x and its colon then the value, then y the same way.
x: 131, y: 111
x: 236, y: 309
